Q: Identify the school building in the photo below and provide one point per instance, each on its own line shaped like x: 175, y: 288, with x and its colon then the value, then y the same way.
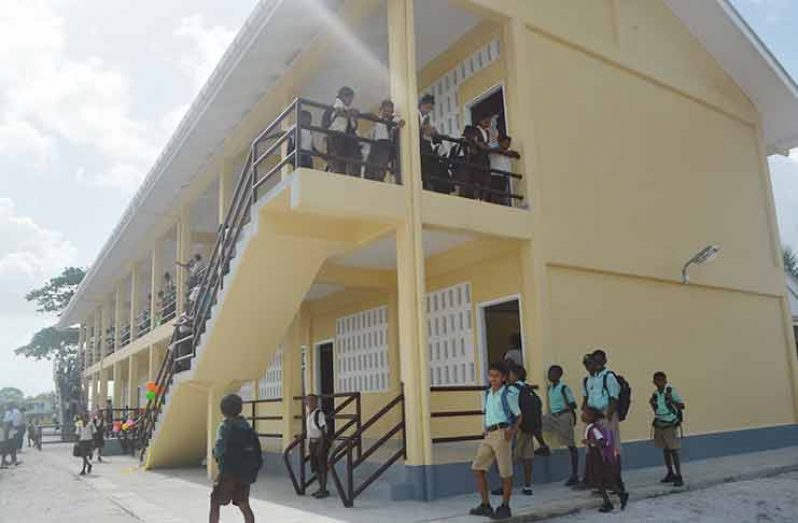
x: 643, y: 128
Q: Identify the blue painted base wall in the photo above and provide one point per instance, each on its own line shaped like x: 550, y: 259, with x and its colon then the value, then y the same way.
x: 437, y: 481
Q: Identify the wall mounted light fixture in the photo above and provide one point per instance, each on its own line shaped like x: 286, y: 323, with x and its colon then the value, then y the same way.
x: 705, y: 255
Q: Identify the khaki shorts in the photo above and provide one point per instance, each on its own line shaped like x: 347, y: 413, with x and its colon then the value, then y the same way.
x: 523, y: 446
x: 494, y: 448
x: 614, y: 426
x: 562, y: 426
x: 667, y: 438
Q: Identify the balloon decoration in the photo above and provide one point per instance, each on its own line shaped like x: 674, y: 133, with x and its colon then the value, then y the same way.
x: 125, y: 426
x: 117, y: 427
x: 152, y: 390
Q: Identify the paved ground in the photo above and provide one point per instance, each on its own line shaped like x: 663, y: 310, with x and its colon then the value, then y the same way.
x: 46, y: 488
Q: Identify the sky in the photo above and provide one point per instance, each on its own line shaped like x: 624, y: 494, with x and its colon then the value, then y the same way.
x: 90, y: 91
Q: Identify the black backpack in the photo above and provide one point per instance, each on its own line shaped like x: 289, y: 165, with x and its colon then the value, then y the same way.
x: 243, y: 457
x: 531, y: 409
x: 624, y: 396
x: 328, y: 431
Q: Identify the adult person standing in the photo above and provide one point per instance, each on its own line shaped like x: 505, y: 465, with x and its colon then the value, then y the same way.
x: 99, y: 434
x: 17, y: 419
x: 601, y: 390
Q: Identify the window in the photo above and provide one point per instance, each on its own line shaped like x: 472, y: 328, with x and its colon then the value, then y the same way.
x: 271, y: 385
x: 362, y: 351
x: 450, y: 336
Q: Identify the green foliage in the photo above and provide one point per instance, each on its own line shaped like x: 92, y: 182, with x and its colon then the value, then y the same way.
x: 11, y: 395
x: 50, y: 343
x: 790, y: 262
x: 56, y: 293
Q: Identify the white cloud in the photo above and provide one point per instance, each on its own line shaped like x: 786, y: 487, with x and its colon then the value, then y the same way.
x: 210, y: 42
x: 29, y: 253
x: 50, y: 96
x: 26, y: 144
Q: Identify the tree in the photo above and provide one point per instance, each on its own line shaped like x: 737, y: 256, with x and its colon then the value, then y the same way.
x: 56, y: 293
x: 11, y: 395
x: 59, y: 346
x: 790, y: 262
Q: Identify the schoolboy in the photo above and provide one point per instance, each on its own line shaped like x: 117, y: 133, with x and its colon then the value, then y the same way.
x: 561, y: 418
x: 667, y: 406
x: 318, y: 444
x: 382, y: 151
x: 501, y: 159
x: 342, y: 144
x: 502, y: 418
x: 238, y: 453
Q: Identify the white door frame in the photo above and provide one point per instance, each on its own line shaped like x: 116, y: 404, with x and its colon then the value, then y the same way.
x: 488, y: 92
x: 482, y: 333
x: 317, y: 364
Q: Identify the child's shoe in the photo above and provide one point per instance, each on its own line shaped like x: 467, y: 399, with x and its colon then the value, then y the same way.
x: 503, y: 512
x: 624, y: 499
x: 678, y: 481
x: 669, y: 478
x: 606, y: 507
x: 573, y: 480
x: 482, y: 509
x: 526, y: 491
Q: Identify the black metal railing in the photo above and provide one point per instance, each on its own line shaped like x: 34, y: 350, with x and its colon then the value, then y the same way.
x: 168, y: 305
x: 143, y: 323
x: 352, y: 421
x: 253, y: 417
x: 110, y: 341
x: 464, y: 168
x: 346, y: 448
x: 124, y: 335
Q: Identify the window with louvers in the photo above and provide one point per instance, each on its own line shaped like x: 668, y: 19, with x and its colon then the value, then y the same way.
x: 361, y: 341
x: 450, y: 336
x: 271, y: 385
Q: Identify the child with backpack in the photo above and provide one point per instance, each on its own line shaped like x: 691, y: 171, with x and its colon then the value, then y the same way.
x: 238, y: 453
x: 530, y: 427
x: 502, y: 417
x: 318, y: 444
x: 603, y: 458
x: 667, y: 406
x: 561, y: 418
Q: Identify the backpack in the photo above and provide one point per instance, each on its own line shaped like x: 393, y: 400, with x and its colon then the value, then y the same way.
x: 671, y: 407
x: 329, y: 433
x: 624, y: 396
x: 243, y: 457
x: 531, y: 409
x: 508, y: 413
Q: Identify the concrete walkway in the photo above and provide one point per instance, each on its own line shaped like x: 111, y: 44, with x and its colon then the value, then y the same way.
x: 182, y: 495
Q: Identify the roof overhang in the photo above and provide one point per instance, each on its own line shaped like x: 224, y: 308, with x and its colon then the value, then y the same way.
x: 274, y: 34
x: 737, y: 48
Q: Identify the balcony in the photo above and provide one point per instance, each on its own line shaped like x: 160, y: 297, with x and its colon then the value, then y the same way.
x: 142, y: 323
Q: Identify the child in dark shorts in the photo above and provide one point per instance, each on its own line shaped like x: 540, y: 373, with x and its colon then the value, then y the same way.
x: 231, y: 485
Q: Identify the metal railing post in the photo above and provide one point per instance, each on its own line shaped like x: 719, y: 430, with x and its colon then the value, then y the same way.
x: 297, y: 132
x: 359, y: 426
x: 350, y: 475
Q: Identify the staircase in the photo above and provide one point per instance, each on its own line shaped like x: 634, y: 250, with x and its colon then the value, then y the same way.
x: 261, y: 268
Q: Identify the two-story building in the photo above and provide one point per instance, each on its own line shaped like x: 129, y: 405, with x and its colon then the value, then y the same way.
x: 386, y: 267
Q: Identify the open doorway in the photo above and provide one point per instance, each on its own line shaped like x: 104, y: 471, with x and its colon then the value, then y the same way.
x: 501, y: 328
x: 326, y: 375
x: 490, y: 104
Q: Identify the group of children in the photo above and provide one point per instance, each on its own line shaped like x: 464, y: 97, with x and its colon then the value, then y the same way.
x: 511, y: 427
x: 476, y: 166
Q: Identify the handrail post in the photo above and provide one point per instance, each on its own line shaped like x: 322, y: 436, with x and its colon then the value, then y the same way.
x: 350, y: 475
x: 302, y: 463
x: 297, y: 132
x: 404, y: 422
x: 359, y: 423
x: 254, y: 421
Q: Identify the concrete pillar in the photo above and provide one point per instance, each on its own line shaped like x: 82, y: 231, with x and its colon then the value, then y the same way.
x: 118, y: 299
x: 152, y: 365
x: 134, y: 300
x: 97, y: 328
x: 410, y: 252
x: 116, y: 392
x: 103, y: 385
x: 82, y: 345
x: 155, y: 283
x: 292, y: 377
x: 104, y: 324
x: 183, y: 255
x: 132, y: 380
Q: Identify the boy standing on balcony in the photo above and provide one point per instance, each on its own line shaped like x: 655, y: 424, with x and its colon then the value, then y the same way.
x: 342, y: 143
x: 502, y: 418
x: 382, y: 151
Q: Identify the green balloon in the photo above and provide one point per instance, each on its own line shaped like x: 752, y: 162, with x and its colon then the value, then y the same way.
x: 150, y: 395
